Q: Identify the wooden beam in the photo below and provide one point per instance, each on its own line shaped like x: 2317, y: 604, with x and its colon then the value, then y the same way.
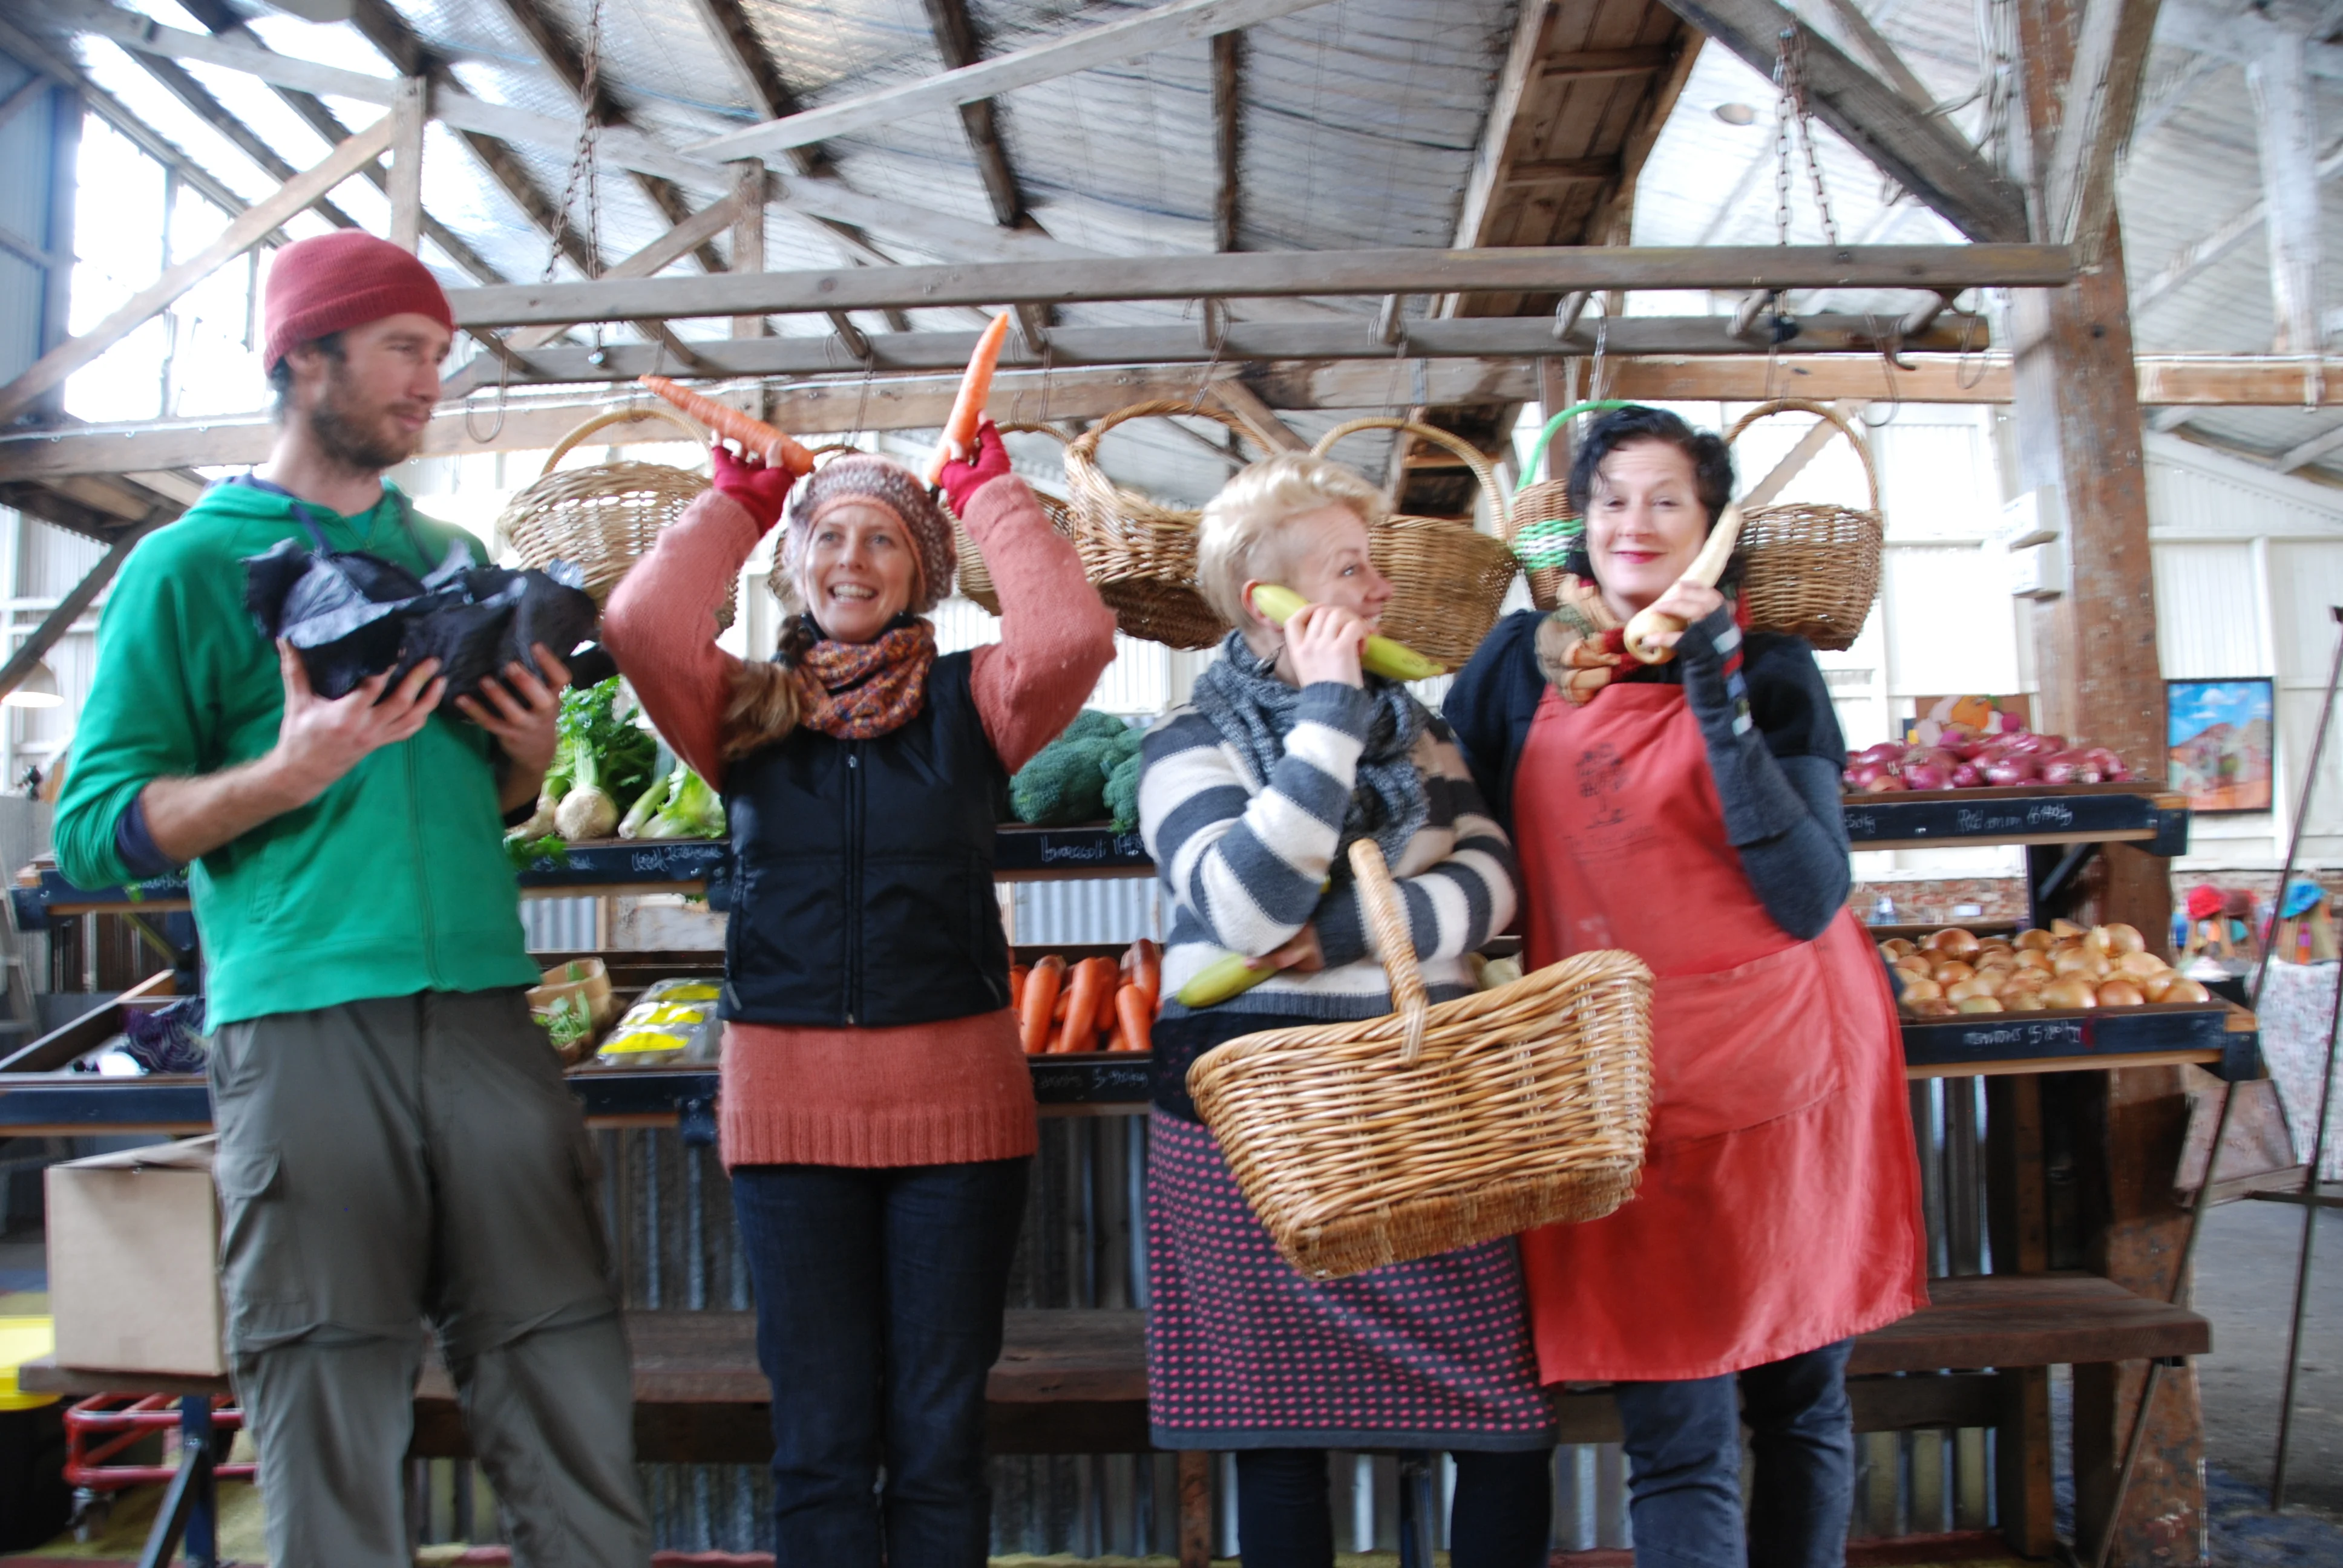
x: 1485, y: 188
x: 761, y: 79
x: 29, y: 92
x: 1560, y: 170
x: 1228, y: 136
x: 2096, y: 109
x: 1918, y: 151
x: 1505, y: 269
x: 199, y: 102
x: 1593, y: 65
x: 748, y: 205
x: 955, y: 37
x: 1614, y: 217
x: 407, y: 117
x: 1872, y: 42
x: 240, y: 236
x: 1259, y: 418
x: 1162, y: 26
x: 2310, y: 451
x: 2198, y: 258
x: 1172, y: 343
x: 1810, y: 446
x: 2285, y: 129
x: 75, y: 603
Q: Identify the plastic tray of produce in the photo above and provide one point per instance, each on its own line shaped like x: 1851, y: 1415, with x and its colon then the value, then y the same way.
x: 2035, y: 814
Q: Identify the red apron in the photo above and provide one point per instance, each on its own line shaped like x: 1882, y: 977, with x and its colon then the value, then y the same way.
x: 1779, y: 1208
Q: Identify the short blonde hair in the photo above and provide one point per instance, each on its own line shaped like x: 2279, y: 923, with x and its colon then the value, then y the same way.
x: 1242, y: 536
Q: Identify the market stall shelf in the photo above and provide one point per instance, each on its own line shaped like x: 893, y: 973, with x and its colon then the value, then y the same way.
x: 2027, y: 814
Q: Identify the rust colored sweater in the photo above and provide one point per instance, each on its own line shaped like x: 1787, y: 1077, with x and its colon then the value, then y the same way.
x: 924, y: 1094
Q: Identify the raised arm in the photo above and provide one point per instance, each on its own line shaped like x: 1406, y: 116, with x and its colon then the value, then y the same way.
x: 1056, y: 636
x: 661, y: 626
x: 1774, y: 748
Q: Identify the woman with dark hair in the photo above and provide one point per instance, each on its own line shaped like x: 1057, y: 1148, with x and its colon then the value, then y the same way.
x: 1689, y: 812
x: 877, y: 1114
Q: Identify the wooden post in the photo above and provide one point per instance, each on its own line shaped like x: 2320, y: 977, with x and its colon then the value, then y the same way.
x: 1195, y: 1508
x: 410, y: 111
x: 2078, y: 425
x: 2017, y: 1220
x: 748, y: 190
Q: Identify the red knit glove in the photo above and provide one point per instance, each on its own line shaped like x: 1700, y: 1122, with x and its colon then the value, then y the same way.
x: 763, y: 491
x: 963, y: 478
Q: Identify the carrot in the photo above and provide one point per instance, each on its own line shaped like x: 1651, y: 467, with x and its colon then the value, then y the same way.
x: 1016, y: 973
x: 1142, y: 966
x: 975, y: 386
x: 1041, y: 1000
x: 1136, y: 1011
x: 1092, y: 980
x: 1113, y: 1039
x: 754, y: 435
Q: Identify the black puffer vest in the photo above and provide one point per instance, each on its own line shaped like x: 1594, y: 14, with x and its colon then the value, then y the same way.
x: 862, y: 872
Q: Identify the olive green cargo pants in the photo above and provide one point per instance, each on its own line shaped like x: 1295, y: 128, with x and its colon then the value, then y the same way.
x: 390, y: 1162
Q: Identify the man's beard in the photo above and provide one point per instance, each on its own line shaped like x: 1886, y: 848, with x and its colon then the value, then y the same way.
x: 359, y: 446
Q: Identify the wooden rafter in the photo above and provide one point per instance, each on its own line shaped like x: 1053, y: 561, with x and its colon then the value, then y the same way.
x: 1162, y: 27
x: 1228, y: 136
x: 1917, y: 150
x: 955, y: 37
x: 2102, y: 97
x: 2196, y: 258
x: 2285, y: 124
x: 78, y: 453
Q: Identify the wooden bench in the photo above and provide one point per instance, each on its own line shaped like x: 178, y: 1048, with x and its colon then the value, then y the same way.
x: 1076, y: 1382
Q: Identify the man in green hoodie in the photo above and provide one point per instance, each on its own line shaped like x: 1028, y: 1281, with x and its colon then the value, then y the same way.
x: 395, y: 1143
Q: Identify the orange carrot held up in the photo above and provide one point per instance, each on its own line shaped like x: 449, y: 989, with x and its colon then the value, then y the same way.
x: 975, y: 386
x: 754, y: 435
x: 1040, y: 1000
x: 1135, y: 1009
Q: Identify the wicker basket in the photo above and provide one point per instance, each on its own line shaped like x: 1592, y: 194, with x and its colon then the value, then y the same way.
x: 1141, y: 553
x: 1805, y: 568
x: 1363, y: 1144
x: 1449, y: 579
x: 604, y: 519
x: 1542, y: 527
x: 975, y: 582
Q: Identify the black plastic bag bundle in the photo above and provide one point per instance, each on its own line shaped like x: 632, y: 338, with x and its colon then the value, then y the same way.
x: 351, y: 615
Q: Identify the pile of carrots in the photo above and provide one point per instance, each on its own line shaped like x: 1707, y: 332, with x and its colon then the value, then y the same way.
x: 1095, y: 1004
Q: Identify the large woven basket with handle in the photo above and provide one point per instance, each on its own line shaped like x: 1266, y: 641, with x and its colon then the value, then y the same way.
x: 1140, y: 553
x: 1449, y: 578
x: 1808, y: 568
x: 1437, y: 1126
x: 975, y: 580
x: 1545, y: 525
x: 605, y: 518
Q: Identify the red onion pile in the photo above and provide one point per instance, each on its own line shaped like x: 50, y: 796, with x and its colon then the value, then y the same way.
x: 1965, y: 759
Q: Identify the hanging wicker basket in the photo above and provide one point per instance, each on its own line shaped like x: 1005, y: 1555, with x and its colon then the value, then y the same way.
x: 975, y: 582
x: 1140, y: 553
x: 1449, y: 578
x: 1367, y: 1143
x: 1543, y: 525
x: 1806, y: 568
x: 605, y: 518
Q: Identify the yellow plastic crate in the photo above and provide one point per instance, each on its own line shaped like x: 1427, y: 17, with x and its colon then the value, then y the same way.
x: 23, y: 1340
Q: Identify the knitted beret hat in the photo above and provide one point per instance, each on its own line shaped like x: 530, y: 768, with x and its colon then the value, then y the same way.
x: 877, y: 481
x: 344, y: 280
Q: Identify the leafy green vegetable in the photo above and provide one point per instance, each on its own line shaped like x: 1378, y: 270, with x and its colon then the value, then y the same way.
x: 526, y: 852
x: 604, y: 761
x: 1122, y: 794
x: 1066, y: 782
x: 693, y: 810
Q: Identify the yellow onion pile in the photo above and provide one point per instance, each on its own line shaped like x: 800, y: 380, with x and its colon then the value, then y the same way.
x: 2066, y: 967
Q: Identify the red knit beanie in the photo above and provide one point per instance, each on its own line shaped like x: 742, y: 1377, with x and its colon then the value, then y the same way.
x: 344, y: 280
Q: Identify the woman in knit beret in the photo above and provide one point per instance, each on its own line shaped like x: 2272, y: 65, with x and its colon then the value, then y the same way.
x: 877, y: 1113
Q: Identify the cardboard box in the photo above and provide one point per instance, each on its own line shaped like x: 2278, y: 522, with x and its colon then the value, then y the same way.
x: 134, y: 1261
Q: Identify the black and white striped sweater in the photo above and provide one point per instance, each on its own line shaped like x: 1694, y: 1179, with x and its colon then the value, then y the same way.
x: 1245, y: 863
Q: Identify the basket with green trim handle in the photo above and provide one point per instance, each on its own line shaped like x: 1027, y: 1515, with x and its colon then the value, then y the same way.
x: 1543, y: 528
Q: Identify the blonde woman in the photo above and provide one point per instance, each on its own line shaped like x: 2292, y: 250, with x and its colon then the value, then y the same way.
x: 1250, y: 801
x: 877, y: 1115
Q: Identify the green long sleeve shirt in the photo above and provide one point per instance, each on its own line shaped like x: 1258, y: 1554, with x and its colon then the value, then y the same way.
x: 393, y: 881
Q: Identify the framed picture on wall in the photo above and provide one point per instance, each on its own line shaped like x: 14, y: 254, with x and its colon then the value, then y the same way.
x: 2219, y: 732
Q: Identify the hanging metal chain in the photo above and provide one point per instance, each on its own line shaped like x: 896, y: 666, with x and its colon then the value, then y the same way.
x: 584, y: 167
x: 1790, y: 105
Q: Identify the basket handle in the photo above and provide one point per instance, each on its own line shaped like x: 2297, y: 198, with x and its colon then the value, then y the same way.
x: 1473, y: 457
x: 1554, y: 427
x: 1821, y: 411
x: 1084, y: 446
x: 1386, y: 914
x: 603, y: 421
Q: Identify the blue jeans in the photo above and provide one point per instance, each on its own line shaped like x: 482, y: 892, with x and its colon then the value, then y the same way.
x: 879, y: 1294
x: 1502, y: 1517
x: 1683, y: 1454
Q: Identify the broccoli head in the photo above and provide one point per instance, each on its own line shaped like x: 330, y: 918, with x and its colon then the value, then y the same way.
x: 1123, y: 793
